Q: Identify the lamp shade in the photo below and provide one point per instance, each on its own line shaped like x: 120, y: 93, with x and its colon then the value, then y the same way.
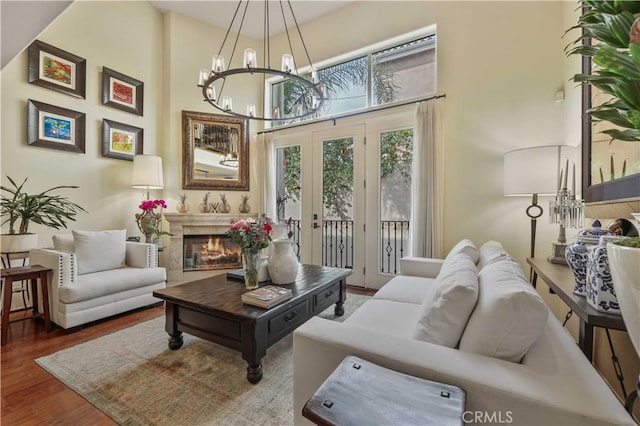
x: 147, y: 172
x: 536, y: 170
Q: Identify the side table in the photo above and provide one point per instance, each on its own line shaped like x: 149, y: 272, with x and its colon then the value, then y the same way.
x: 33, y: 273
x: 359, y: 392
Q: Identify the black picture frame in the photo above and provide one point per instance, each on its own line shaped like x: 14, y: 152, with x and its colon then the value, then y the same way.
x: 121, y: 141
x: 53, y: 127
x: 122, y: 92
x: 57, y: 69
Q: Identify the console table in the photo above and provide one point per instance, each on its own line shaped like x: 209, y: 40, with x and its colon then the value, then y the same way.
x: 560, y: 279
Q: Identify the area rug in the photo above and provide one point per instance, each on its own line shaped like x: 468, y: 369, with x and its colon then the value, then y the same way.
x: 135, y: 379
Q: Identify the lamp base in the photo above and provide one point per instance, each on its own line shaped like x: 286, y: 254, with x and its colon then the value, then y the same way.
x: 558, y: 254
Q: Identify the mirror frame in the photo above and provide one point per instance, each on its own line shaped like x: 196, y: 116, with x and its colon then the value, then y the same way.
x: 623, y: 189
x: 188, y: 146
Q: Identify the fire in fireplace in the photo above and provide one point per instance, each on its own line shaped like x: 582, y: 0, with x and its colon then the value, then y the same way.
x: 206, y: 252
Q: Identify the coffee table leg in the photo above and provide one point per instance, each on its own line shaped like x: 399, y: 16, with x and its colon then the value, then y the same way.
x: 175, y: 340
x: 254, y: 372
x: 171, y: 326
x: 339, y: 309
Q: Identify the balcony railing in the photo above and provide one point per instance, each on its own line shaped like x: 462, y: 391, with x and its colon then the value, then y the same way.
x: 337, y: 243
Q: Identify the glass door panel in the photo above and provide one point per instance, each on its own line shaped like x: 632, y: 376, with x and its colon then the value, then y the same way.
x: 338, y: 212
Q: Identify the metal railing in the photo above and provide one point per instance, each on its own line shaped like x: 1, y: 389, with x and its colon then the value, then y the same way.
x: 337, y: 242
x: 394, y: 238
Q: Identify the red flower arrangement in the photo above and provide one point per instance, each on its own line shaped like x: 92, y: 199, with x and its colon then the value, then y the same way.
x: 251, y: 235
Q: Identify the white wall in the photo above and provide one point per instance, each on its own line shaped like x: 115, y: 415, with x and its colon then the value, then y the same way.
x: 126, y: 37
x: 500, y: 64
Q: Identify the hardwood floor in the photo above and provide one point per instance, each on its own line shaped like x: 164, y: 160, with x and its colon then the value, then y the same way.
x: 31, y: 396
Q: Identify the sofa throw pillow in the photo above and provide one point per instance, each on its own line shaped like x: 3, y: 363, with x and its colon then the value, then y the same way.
x: 491, y: 251
x: 99, y: 250
x: 510, y: 314
x: 465, y: 246
x: 449, y: 302
x: 64, y: 242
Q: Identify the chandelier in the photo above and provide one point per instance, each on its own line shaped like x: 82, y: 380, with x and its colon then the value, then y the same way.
x: 308, y: 88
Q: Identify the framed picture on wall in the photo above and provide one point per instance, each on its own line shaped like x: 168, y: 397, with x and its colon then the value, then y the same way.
x: 57, y: 69
x: 122, y: 92
x: 54, y: 127
x: 120, y: 140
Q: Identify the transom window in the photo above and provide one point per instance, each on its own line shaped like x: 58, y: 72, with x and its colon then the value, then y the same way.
x: 400, y: 69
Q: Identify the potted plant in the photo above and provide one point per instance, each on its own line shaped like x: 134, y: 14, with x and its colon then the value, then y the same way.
x: 19, y: 209
x: 614, y: 26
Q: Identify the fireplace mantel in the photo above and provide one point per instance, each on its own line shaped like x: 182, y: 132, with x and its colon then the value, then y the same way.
x: 181, y: 224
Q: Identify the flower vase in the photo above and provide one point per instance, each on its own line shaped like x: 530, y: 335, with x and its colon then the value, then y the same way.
x: 250, y: 263
x: 283, y: 264
x: 148, y: 224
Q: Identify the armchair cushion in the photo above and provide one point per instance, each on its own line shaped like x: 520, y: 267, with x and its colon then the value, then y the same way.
x: 99, y: 250
x: 64, y: 242
x: 509, y: 316
x: 449, y: 302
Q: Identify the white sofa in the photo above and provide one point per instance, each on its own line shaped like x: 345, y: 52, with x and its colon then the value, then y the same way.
x: 552, y: 384
x: 102, y: 287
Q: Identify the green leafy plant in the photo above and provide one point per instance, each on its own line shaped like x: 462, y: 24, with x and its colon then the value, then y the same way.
x: 20, y: 209
x: 614, y: 26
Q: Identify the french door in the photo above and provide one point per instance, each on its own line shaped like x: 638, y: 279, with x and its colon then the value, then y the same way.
x: 343, y: 194
x: 338, y: 204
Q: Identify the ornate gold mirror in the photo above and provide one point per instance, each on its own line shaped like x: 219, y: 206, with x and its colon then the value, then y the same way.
x: 215, y: 152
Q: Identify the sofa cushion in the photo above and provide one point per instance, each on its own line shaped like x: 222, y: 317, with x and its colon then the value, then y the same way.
x: 449, y: 302
x: 105, y: 283
x: 405, y: 289
x: 386, y: 317
x: 509, y: 316
x: 99, y: 250
x: 64, y: 242
x: 491, y: 251
x: 465, y: 246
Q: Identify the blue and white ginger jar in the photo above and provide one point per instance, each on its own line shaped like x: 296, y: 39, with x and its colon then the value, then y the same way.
x: 600, y: 292
x: 577, y: 255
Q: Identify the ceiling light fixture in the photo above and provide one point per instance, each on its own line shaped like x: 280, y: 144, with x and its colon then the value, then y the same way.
x: 310, y: 92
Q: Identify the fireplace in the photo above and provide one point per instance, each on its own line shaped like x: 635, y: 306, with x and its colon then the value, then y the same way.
x: 198, y: 242
x: 207, y: 252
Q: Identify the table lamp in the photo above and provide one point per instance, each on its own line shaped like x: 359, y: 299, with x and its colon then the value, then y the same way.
x: 147, y: 172
x: 532, y: 172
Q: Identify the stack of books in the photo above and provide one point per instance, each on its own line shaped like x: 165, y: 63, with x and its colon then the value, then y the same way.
x: 267, y: 296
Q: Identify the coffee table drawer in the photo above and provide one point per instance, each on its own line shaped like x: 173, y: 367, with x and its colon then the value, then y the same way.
x: 326, y: 298
x: 289, y: 319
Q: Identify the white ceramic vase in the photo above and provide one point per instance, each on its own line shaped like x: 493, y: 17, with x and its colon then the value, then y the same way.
x: 625, y: 272
x: 283, y: 264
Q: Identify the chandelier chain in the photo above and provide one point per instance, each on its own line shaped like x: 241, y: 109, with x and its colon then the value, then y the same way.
x: 295, y: 63
x: 300, y: 34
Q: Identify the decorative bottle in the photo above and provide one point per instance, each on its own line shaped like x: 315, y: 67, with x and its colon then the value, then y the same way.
x: 183, y: 205
x: 224, y: 204
x: 244, y: 206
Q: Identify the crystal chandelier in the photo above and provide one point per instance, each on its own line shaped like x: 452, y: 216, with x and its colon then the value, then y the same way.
x: 310, y: 92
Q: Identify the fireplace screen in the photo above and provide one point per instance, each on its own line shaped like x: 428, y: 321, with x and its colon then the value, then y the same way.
x: 205, y: 252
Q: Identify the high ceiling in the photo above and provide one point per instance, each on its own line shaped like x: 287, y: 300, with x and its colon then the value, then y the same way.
x: 220, y: 12
x: 23, y: 21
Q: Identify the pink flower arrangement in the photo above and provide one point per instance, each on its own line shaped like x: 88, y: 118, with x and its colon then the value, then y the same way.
x: 251, y: 234
x: 152, y: 204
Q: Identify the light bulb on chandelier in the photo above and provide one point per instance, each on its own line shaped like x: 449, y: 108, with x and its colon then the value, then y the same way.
x: 311, y: 90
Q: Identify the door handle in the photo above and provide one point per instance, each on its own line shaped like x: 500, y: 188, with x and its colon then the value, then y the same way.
x: 315, y: 225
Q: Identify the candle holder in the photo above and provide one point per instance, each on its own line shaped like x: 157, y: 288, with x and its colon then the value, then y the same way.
x: 568, y: 212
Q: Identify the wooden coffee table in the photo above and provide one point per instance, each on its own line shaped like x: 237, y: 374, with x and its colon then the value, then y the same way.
x: 212, y: 310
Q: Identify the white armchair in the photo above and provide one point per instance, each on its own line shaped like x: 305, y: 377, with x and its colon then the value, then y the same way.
x: 78, y: 298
